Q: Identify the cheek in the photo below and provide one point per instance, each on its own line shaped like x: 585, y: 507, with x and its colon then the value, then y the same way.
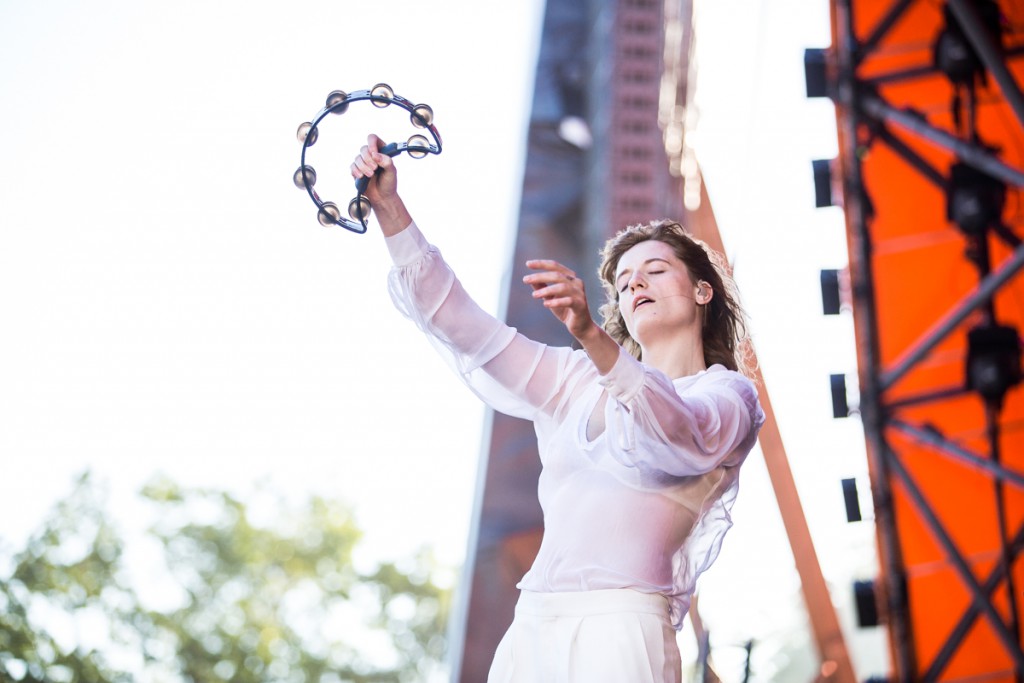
x: 624, y: 312
x: 627, y: 319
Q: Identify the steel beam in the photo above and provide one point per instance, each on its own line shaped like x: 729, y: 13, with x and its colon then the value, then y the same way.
x: 971, y: 154
x: 947, y: 447
x: 980, y: 39
x: 934, y: 336
x: 978, y: 596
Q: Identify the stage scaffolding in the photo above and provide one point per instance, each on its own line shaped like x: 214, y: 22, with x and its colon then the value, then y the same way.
x: 929, y: 174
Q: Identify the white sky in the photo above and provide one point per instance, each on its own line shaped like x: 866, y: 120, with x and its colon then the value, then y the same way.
x: 170, y: 304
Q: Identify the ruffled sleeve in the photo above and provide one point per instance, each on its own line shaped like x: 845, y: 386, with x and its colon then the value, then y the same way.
x: 663, y: 432
x: 702, y: 546
x: 509, y: 372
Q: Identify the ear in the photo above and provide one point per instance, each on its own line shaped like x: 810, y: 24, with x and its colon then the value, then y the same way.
x: 704, y: 292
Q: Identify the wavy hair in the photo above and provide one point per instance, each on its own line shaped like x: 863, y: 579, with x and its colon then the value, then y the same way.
x: 724, y: 332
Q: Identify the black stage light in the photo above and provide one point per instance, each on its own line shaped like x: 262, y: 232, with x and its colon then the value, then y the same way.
x: 866, y: 603
x: 993, y: 360
x: 974, y: 200
x: 852, y: 500
x: 816, y: 72
x: 830, y: 300
x: 822, y: 182
x: 955, y: 57
x: 953, y: 53
x: 840, y: 406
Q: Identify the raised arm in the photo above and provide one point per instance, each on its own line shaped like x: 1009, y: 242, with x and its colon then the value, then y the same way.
x: 382, y: 190
x: 510, y: 372
x: 553, y: 283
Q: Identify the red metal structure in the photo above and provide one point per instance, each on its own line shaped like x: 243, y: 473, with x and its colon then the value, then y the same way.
x: 931, y: 132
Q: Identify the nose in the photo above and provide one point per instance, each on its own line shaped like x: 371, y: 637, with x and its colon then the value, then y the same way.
x: 636, y: 280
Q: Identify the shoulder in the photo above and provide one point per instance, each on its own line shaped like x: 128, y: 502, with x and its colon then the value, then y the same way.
x: 719, y: 381
x: 717, y: 376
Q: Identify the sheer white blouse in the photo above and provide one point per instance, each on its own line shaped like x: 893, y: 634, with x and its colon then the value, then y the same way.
x: 644, y: 504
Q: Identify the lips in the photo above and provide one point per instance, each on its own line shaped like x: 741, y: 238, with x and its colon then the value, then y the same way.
x: 640, y: 301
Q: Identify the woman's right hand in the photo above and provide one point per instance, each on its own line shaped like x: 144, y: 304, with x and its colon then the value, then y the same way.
x: 379, y: 168
x: 382, y: 189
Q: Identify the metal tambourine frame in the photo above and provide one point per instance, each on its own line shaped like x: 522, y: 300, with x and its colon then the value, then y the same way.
x: 417, y: 146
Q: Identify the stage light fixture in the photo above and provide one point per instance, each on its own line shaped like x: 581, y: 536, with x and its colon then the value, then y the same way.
x: 955, y: 57
x: 974, y: 200
x: 816, y: 72
x: 993, y: 360
x: 866, y: 603
x: 852, y: 500
x: 840, y: 405
x: 830, y: 300
x: 822, y: 182
x: 952, y: 52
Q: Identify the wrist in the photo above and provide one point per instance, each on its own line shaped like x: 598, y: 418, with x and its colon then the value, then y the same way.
x: 591, y: 334
x: 392, y: 216
x: 602, y: 349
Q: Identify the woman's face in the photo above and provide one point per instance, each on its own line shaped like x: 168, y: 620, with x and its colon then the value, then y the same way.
x: 656, y: 294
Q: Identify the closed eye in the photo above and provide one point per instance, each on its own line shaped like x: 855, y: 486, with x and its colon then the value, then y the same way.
x: 625, y: 284
x: 655, y: 262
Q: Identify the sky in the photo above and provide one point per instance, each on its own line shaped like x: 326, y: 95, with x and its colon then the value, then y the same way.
x: 171, y: 305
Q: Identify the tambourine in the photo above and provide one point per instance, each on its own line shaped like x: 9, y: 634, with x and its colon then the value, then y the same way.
x: 417, y: 147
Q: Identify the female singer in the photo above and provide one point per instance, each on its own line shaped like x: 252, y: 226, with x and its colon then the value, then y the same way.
x: 641, y: 434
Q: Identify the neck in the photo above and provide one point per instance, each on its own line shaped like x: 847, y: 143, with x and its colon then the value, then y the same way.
x: 676, y: 357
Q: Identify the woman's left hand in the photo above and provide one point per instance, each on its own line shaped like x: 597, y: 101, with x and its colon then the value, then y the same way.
x: 563, y: 294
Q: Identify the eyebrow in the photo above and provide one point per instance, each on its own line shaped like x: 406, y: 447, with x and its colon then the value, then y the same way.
x: 626, y: 271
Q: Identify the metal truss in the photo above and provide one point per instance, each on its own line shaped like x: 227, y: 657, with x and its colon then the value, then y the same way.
x: 892, y: 418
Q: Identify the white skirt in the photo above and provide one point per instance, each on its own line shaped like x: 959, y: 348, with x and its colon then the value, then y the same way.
x: 602, y: 636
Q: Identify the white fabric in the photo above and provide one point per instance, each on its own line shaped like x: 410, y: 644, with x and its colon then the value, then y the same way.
x: 604, y: 636
x: 646, y: 503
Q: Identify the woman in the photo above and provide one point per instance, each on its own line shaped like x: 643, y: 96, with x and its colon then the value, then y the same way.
x: 641, y: 435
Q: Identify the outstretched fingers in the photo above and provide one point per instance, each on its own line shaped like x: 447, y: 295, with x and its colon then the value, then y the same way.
x: 559, y: 289
x: 550, y: 265
x: 564, y: 294
x: 549, y: 274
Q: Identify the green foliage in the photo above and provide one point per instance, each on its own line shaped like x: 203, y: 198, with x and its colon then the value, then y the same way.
x: 238, y: 600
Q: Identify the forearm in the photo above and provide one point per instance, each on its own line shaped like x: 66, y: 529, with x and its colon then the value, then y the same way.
x: 602, y: 349
x: 392, y: 216
x: 426, y: 290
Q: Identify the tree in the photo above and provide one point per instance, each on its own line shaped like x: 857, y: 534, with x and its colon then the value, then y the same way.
x: 238, y: 601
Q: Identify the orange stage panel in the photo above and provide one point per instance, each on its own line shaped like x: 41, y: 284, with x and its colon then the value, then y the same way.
x: 946, y: 463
